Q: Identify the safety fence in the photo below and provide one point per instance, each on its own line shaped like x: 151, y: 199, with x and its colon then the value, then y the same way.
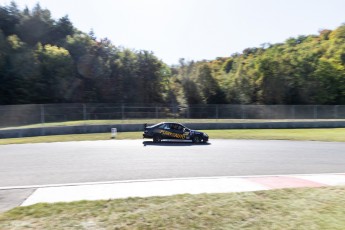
x: 18, y: 115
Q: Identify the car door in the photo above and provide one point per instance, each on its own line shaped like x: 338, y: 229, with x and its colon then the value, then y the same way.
x: 178, y: 131
x: 186, y: 133
x: 166, y: 131
x: 174, y: 131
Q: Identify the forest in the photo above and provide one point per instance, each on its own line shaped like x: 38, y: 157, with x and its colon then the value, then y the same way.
x: 46, y: 60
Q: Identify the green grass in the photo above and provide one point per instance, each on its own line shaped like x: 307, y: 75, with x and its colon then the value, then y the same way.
x: 336, y: 134
x: 306, y: 208
x: 71, y: 137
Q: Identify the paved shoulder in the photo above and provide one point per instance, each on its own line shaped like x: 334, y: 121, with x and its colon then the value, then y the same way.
x: 11, y: 198
x: 166, y: 187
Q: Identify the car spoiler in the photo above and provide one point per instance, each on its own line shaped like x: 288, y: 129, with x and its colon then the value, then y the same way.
x: 145, y: 125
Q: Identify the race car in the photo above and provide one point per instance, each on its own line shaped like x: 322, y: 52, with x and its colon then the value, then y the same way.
x: 173, y: 131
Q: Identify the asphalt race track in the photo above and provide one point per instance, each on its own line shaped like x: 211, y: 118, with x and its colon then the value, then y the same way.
x: 114, y: 160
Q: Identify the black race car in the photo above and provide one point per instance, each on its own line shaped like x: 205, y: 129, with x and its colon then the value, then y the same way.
x: 167, y: 130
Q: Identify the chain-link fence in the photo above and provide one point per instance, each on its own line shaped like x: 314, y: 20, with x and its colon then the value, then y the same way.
x: 18, y: 115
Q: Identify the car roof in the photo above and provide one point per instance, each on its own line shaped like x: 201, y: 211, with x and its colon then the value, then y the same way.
x: 169, y: 123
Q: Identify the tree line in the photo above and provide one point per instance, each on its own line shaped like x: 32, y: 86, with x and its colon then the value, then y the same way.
x: 303, y: 70
x: 43, y: 60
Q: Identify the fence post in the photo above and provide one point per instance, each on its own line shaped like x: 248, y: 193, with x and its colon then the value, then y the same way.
x: 336, y: 111
x: 217, y: 111
x: 293, y: 112
x: 315, y: 111
x: 188, y: 112
x: 156, y: 112
x: 42, y: 115
x: 84, y: 112
x: 242, y: 112
x: 122, y: 112
x: 43, y: 130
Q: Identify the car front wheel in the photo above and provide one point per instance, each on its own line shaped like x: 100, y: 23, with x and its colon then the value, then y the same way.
x: 196, y: 139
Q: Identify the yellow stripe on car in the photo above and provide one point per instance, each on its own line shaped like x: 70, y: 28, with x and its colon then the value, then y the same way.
x: 175, y: 135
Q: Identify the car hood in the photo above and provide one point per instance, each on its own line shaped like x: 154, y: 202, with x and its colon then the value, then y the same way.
x: 196, y: 132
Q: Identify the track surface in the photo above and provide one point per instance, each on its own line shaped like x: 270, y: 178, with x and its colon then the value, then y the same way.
x: 113, y: 160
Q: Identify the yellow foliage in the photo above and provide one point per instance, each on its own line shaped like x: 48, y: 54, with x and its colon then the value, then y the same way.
x: 14, y: 41
x: 55, y: 51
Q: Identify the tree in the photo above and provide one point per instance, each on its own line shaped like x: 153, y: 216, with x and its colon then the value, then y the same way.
x: 60, y: 30
x: 208, y: 86
x: 19, y: 73
x: 152, y: 76
x: 227, y: 67
x: 56, y: 74
x: 329, y: 82
x: 9, y: 18
x: 36, y: 26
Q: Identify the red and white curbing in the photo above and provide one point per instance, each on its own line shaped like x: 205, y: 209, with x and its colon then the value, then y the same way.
x: 167, y: 187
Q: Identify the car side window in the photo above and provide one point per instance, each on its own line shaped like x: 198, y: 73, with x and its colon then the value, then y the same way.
x: 162, y: 126
x: 177, y: 127
x: 166, y: 126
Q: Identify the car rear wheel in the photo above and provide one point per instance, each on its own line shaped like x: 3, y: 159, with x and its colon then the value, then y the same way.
x: 196, y: 139
x: 157, y: 138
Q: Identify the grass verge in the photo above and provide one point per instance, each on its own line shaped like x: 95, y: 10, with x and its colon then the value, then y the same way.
x: 336, y: 134
x: 71, y: 137
x: 306, y: 208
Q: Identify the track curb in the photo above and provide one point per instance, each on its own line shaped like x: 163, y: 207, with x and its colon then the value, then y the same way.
x: 173, y: 186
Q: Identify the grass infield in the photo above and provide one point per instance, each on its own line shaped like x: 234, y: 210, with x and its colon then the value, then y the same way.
x: 335, y: 135
x: 303, y: 208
